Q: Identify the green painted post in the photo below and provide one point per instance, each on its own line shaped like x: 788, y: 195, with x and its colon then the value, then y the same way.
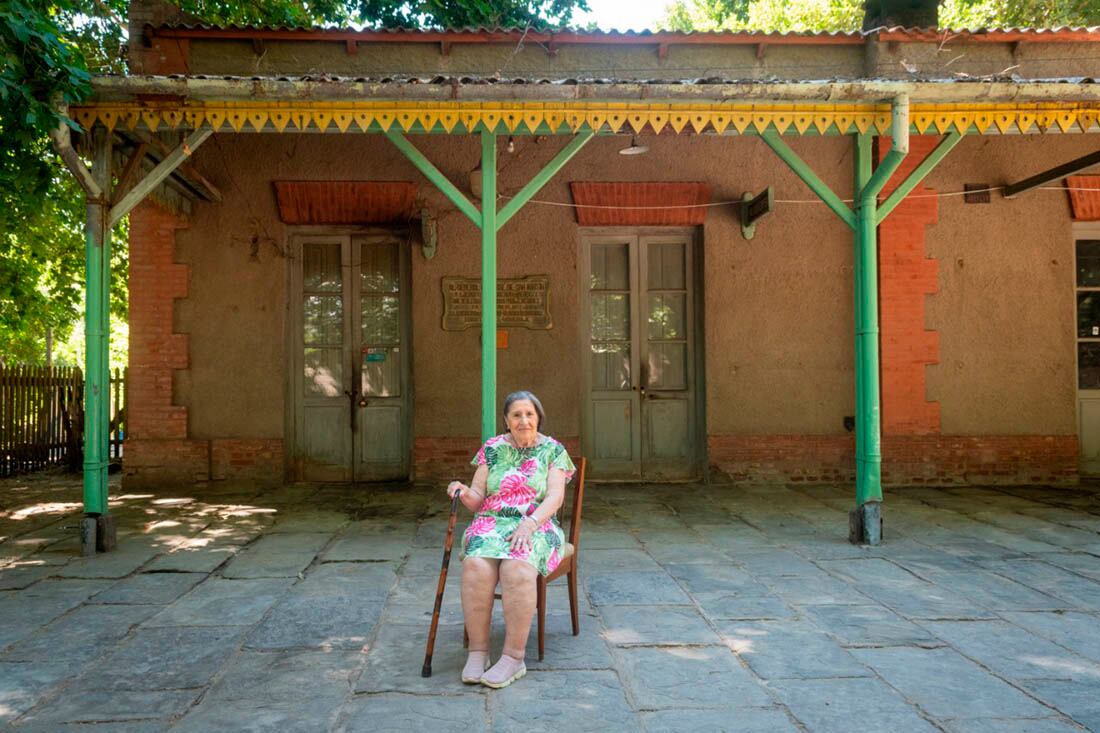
x: 863, y: 164
x: 488, y: 284
x: 97, y: 261
x: 803, y: 171
x: 919, y: 173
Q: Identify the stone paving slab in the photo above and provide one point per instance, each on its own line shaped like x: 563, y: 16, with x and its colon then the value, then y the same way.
x: 80, y: 636
x: 687, y: 676
x: 149, y: 588
x: 789, y: 649
x: 580, y: 700
x: 841, y: 705
x: 23, y: 684
x: 946, y: 685
x: 1073, y: 630
x: 277, y: 556
x: 634, y: 587
x: 220, y: 602
x: 260, y: 716
x: 399, y: 713
x: 112, y: 707
x: 671, y: 625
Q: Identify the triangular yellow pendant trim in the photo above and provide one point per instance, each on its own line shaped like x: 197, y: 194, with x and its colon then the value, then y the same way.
x: 699, y: 121
x: 864, y: 122
x: 882, y: 123
x: 658, y: 120
x: 720, y: 121
x: 637, y: 121
x: 216, y: 117
x: 1024, y: 120
x: 194, y: 117
x: 781, y: 122
x: 151, y: 118
x: 678, y: 120
x: 1004, y: 122
x: 1086, y: 119
x: 963, y: 121
x: 85, y: 117
x: 257, y: 118
x: 131, y: 118
x: 384, y: 120
x: 802, y: 123
x: 491, y: 120
x: 982, y: 121
x: 405, y: 118
x: 922, y: 121
x: 1065, y: 120
x: 843, y: 123
x: 109, y: 118
x: 172, y: 117
x: 616, y: 120
x: 532, y: 120
x: 512, y: 118
x: 343, y: 120
x: 448, y: 120
x: 596, y: 120
x: 823, y: 123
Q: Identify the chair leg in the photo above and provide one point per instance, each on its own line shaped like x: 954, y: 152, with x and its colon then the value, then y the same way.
x: 540, y: 600
x: 465, y: 637
x: 571, y: 579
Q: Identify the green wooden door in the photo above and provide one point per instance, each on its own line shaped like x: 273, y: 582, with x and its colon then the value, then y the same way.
x: 352, y: 390
x: 640, y: 388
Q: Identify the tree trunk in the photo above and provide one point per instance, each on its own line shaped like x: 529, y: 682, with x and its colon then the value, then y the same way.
x: 905, y: 13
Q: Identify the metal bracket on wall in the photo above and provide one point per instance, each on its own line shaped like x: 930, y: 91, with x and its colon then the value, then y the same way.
x: 429, y: 234
x: 753, y: 208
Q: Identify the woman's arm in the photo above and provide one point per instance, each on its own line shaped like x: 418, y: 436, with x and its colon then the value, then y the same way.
x: 555, y: 495
x: 474, y: 495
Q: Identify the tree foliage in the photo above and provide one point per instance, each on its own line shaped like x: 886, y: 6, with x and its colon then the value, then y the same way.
x: 847, y: 15
x: 50, y: 48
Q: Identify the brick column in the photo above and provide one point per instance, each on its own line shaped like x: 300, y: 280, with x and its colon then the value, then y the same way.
x: 906, y: 277
x: 157, y: 446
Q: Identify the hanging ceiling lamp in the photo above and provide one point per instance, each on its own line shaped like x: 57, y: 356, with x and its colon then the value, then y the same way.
x: 634, y: 148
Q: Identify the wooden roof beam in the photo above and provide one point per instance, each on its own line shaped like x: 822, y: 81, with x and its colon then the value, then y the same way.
x: 1056, y: 173
x: 185, y: 171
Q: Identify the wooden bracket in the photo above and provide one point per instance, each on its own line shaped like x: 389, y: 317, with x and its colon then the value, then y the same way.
x: 761, y: 50
x: 351, y: 47
x: 126, y: 179
x: 662, y: 50
x: 186, y: 172
x: 445, y: 48
x: 258, y: 47
x: 155, y: 177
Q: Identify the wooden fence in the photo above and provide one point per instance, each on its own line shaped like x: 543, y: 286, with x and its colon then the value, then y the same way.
x: 42, y: 417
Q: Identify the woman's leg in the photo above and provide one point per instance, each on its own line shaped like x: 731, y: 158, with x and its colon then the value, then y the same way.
x: 517, y: 584
x: 479, y: 583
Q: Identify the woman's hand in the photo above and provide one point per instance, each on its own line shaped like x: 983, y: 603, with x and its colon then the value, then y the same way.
x: 521, y: 535
x: 456, y: 487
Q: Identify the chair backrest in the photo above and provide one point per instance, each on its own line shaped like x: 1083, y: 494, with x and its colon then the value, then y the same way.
x: 578, y: 503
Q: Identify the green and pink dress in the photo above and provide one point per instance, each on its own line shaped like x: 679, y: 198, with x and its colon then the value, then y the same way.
x: 516, y: 487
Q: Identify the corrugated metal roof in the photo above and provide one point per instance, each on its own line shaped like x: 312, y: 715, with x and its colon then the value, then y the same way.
x: 653, y: 36
x: 576, y: 81
x: 345, y: 202
x: 618, y: 198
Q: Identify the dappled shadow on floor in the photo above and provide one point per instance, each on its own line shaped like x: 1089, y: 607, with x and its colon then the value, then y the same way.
x: 720, y: 607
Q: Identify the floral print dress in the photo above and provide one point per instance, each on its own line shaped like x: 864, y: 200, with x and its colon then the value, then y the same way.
x: 515, y: 488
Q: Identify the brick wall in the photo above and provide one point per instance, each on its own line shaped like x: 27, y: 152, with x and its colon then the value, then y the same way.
x: 906, y: 459
x: 906, y: 277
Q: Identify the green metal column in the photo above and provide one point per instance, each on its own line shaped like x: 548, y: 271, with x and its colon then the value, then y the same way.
x: 488, y: 284
x: 97, y: 271
x: 865, y: 279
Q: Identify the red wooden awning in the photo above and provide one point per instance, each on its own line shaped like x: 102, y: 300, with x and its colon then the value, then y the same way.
x: 1086, y: 204
x: 345, y: 202
x: 625, y: 203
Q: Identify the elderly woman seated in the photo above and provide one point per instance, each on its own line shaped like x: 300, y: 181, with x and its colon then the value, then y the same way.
x: 516, y: 490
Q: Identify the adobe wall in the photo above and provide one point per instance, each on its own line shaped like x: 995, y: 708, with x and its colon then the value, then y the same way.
x: 778, y: 309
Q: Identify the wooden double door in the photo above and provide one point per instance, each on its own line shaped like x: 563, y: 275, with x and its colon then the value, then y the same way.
x: 350, y: 371
x: 640, y: 352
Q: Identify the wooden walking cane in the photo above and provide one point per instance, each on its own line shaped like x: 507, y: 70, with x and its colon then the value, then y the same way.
x: 427, y: 670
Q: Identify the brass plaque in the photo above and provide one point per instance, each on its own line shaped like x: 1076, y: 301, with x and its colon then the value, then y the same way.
x: 522, y: 302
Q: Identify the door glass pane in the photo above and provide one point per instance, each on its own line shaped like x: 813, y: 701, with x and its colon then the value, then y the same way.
x: 1088, y: 365
x: 666, y: 315
x: 610, y: 267
x: 322, y: 321
x: 666, y: 266
x: 610, y: 366
x: 667, y: 366
x: 380, y: 375
x: 1088, y: 314
x: 1088, y: 263
x: 321, y: 267
x: 380, y: 325
x: 610, y: 317
x: 324, y: 372
x: 379, y: 268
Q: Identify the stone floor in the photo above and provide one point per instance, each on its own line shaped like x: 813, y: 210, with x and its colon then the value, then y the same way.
x: 704, y: 608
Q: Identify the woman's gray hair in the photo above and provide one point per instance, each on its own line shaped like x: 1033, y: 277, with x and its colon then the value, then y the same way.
x: 524, y: 395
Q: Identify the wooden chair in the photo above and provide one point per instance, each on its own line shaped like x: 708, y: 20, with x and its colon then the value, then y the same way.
x: 567, y: 566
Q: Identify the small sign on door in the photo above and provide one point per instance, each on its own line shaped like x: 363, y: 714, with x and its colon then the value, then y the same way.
x: 373, y: 355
